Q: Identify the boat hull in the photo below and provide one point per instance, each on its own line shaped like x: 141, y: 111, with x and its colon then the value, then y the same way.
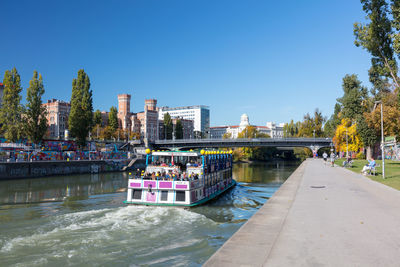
x: 197, y: 203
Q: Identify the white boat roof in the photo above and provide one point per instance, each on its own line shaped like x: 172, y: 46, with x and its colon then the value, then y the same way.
x: 176, y: 153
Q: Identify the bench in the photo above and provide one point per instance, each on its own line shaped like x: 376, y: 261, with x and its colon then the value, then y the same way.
x: 373, y: 170
x: 348, y: 164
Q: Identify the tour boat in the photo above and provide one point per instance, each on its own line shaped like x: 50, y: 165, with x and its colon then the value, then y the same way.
x: 181, y: 178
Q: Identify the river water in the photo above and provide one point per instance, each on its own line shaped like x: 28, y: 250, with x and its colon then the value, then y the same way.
x: 81, y: 220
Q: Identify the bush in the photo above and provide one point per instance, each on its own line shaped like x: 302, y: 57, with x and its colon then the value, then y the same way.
x: 360, y: 155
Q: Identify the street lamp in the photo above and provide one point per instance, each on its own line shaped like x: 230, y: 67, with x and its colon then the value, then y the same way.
x: 382, y: 138
x: 347, y: 145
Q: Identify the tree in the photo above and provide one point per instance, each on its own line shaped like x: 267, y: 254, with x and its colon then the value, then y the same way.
x: 81, y: 114
x: 367, y: 134
x: 352, y: 99
x: 227, y: 136
x: 331, y: 125
x: 391, y: 117
x: 376, y: 37
x: 35, y: 122
x: 346, y: 137
x: 312, y: 126
x: 113, y: 119
x: 11, y: 109
x: 168, y: 125
x: 291, y: 129
x: 97, y: 119
x: 178, y: 129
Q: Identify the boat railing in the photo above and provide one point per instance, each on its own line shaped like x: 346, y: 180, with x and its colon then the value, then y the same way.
x: 164, y: 183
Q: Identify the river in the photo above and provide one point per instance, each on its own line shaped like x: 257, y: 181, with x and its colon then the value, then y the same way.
x: 81, y: 220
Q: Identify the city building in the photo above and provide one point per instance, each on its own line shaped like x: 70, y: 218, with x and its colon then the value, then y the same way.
x: 200, y: 115
x: 273, y: 130
x: 57, y: 117
x: 145, y: 122
x: 187, y: 128
x: 124, y: 111
x: 218, y: 132
x: 276, y: 129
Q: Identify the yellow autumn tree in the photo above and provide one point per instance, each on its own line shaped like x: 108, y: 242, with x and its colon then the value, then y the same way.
x: 353, y: 138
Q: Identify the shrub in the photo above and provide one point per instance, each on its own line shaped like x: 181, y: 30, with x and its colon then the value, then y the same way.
x: 360, y: 155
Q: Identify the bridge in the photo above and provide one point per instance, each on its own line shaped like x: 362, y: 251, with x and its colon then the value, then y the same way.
x: 312, y: 143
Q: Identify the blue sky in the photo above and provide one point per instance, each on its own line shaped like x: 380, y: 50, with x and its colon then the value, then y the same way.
x: 274, y: 60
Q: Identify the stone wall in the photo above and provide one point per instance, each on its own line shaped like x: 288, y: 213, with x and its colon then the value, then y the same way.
x: 49, y: 168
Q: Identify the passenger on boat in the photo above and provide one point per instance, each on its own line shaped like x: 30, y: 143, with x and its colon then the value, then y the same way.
x: 137, y: 175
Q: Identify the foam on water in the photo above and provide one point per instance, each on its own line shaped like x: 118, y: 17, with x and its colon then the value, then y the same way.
x: 129, y: 228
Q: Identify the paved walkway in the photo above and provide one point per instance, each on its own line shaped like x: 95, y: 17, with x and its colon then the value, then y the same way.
x: 321, y: 216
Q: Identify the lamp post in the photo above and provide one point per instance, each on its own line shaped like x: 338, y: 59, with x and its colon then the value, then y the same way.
x: 347, y: 145
x: 314, y: 152
x: 382, y: 139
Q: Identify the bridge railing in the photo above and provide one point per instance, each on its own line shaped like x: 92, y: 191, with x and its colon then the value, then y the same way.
x: 241, y: 140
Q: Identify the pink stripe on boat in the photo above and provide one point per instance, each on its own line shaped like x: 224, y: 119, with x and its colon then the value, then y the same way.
x: 152, y: 183
x: 165, y: 184
x: 180, y: 186
x: 135, y: 185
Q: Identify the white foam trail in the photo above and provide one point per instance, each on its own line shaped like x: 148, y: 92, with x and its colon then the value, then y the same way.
x: 92, y: 227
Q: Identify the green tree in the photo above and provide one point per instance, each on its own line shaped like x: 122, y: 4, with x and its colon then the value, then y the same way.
x: 11, y: 109
x: 178, y: 129
x: 331, y: 125
x: 376, y: 37
x: 353, y: 97
x: 290, y: 129
x: 113, y: 119
x: 168, y: 128
x: 312, y: 126
x: 35, y: 122
x: 367, y: 134
x: 81, y: 114
x: 97, y: 119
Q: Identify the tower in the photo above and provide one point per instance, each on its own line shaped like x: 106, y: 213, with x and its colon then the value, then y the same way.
x: 150, y: 104
x: 124, y: 110
x: 124, y: 104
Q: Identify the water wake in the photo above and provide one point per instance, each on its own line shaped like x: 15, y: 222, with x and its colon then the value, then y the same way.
x: 130, y: 232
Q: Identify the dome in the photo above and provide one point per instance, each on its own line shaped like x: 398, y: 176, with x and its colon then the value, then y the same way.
x: 244, y: 120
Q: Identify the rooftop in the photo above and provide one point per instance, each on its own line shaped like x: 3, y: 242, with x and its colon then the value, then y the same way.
x: 187, y: 107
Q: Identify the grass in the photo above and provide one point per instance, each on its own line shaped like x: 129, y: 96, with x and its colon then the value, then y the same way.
x: 392, y: 171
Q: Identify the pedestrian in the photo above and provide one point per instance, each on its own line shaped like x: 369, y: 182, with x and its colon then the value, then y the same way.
x: 325, y: 156
x: 332, y: 159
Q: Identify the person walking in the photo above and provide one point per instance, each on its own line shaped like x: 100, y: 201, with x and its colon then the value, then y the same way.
x: 325, y: 156
x: 332, y: 159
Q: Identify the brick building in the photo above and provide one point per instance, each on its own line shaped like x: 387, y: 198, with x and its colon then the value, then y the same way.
x: 145, y: 122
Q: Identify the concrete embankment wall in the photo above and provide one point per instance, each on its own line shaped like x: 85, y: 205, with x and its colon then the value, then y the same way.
x: 15, y: 170
x: 259, y: 233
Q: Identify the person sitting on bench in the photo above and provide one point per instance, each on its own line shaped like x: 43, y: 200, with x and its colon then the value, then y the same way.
x: 368, y: 167
x: 347, y: 162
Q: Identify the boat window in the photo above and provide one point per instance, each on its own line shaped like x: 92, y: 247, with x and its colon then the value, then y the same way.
x: 137, y: 194
x: 164, y: 195
x: 180, y: 196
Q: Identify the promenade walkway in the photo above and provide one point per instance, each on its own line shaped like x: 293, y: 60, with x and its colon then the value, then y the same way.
x: 321, y: 216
